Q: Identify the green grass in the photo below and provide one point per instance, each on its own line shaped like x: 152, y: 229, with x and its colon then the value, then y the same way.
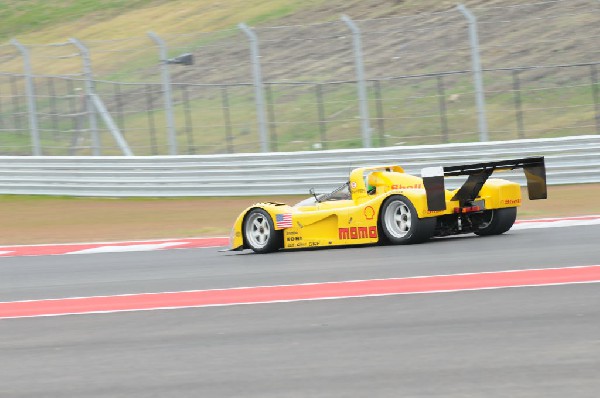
x: 410, y: 108
x: 29, y: 15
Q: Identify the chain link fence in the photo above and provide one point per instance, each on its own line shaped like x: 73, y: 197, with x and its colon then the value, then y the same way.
x: 540, y: 79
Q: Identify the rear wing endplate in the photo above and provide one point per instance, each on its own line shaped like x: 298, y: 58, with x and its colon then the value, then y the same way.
x: 433, y: 180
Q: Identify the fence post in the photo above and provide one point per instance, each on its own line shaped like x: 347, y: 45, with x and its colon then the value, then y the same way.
x: 258, y: 87
x: 52, y: 99
x: 271, y: 114
x: 442, y: 103
x: 31, y: 106
x: 360, y: 81
x: 189, y: 129
x: 518, y: 105
x: 477, y: 78
x: 150, y: 116
x: 227, y: 119
x: 379, y: 108
x: 321, y: 112
x: 119, y: 104
x: 89, y: 90
x: 15, y: 95
x: 166, y: 83
x: 596, y: 95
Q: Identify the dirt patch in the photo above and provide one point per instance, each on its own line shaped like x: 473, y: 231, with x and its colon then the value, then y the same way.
x: 32, y: 220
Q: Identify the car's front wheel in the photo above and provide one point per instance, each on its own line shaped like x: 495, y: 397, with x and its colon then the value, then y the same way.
x: 497, y: 221
x: 400, y: 223
x: 260, y: 233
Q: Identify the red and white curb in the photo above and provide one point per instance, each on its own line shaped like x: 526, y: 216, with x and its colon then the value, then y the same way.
x: 187, y: 243
x: 557, y: 222
x: 111, y: 247
x: 300, y: 292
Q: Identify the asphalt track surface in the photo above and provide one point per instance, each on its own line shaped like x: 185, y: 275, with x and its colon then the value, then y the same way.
x: 517, y: 342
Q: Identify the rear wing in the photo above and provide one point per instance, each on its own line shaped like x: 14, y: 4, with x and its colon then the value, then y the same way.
x: 433, y: 180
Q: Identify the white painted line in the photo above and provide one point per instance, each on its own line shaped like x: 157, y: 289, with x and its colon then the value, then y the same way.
x: 128, y: 248
x: 555, y: 223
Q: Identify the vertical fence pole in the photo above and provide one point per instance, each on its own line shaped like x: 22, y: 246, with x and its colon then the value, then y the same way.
x: 321, y: 112
x: 119, y: 105
x: 258, y: 87
x: 596, y: 95
x: 442, y: 103
x: 1, y: 119
x: 271, y: 114
x: 227, y: 118
x: 477, y: 75
x: 189, y: 128
x: 53, y: 107
x: 379, y: 109
x: 73, y: 113
x: 89, y: 91
x: 30, y: 91
x: 166, y: 83
x: 518, y: 104
x: 360, y: 81
x: 150, y: 116
x: 14, y: 89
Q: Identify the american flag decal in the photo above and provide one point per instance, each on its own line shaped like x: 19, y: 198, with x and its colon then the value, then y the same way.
x: 283, y: 220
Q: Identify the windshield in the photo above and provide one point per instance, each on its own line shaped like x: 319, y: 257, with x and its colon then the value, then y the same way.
x: 340, y: 193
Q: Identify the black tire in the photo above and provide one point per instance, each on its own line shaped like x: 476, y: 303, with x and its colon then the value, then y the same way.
x: 400, y: 224
x: 497, y: 221
x: 259, y: 232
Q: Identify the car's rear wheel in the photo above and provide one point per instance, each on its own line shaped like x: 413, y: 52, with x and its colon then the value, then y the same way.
x: 497, y: 221
x: 400, y: 223
x: 259, y: 232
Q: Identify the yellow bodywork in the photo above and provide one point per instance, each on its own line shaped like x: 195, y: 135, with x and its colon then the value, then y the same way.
x: 355, y: 220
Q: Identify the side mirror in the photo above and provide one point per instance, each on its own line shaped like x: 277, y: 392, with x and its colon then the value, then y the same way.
x: 312, y: 192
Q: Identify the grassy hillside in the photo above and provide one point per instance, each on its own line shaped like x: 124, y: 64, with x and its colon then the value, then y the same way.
x: 42, y: 21
x: 302, y: 42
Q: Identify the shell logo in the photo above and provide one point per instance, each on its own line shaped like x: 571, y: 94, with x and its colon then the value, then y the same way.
x: 369, y: 213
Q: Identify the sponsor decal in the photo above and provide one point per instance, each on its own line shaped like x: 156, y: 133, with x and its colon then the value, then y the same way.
x: 416, y: 186
x: 369, y: 213
x: 358, y: 232
x: 353, y: 185
x: 303, y: 244
x: 293, y: 238
x: 283, y: 220
x: 512, y: 201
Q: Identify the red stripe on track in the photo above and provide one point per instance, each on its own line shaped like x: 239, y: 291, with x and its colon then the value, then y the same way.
x: 317, y: 291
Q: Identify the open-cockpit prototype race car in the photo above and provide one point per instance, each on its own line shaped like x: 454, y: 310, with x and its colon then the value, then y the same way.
x: 382, y: 204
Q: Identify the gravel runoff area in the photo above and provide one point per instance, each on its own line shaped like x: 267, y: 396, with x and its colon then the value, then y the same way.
x: 44, y: 219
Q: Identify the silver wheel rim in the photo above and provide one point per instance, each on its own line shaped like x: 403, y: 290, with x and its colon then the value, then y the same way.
x: 398, y: 219
x: 486, y: 222
x: 258, y: 230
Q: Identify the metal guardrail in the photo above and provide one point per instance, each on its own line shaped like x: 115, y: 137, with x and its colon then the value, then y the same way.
x: 569, y: 160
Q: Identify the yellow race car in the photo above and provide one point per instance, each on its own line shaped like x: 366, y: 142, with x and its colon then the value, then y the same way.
x: 383, y: 204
